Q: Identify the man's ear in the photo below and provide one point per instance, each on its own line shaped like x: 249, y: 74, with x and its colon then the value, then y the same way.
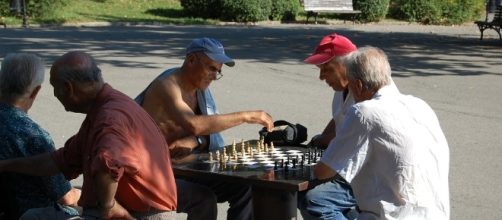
x: 69, y: 88
x: 191, y: 58
x: 35, y: 91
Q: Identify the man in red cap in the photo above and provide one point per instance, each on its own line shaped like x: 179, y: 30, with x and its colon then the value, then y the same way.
x: 333, y: 199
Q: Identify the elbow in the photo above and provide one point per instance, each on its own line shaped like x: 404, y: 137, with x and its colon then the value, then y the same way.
x: 321, y: 171
x: 193, y: 129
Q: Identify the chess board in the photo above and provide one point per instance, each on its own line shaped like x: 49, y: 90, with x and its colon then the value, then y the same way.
x: 254, y: 155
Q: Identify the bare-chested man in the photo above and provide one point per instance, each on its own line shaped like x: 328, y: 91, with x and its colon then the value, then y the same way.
x: 182, y: 105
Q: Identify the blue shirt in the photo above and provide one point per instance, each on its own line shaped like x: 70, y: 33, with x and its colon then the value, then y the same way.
x: 207, y: 106
x: 22, y: 137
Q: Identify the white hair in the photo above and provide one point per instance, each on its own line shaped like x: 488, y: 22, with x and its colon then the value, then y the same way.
x: 371, y: 66
x: 20, y: 74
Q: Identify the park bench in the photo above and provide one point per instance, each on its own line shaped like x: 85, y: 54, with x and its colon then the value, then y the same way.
x: 314, y: 7
x: 495, y: 23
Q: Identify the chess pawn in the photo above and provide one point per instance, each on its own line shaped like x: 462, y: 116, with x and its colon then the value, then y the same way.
x: 210, y: 156
x: 266, y: 148
x: 218, y: 155
x: 272, y: 146
x: 233, y: 146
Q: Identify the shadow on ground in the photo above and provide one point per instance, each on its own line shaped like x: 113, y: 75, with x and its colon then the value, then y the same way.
x: 410, y: 53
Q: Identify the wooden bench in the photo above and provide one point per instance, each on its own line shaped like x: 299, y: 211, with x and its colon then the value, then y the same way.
x: 314, y: 7
x: 495, y: 23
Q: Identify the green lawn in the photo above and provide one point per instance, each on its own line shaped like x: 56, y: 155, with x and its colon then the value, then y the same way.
x: 74, y: 11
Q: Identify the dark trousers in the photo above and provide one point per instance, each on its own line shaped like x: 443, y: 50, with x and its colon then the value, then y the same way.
x: 239, y: 197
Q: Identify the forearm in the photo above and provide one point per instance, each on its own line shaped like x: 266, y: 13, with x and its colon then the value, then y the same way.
x: 321, y: 171
x: 205, y: 125
x: 328, y: 133
x: 106, y: 187
x: 39, y: 165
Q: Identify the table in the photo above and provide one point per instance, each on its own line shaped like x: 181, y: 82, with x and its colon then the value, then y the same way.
x: 274, y: 188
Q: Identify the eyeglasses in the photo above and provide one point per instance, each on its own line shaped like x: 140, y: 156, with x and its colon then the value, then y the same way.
x: 210, y: 69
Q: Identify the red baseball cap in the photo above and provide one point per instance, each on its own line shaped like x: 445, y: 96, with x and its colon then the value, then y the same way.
x: 330, y: 46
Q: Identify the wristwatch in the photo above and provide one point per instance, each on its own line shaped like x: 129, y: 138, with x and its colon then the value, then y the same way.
x: 199, y: 141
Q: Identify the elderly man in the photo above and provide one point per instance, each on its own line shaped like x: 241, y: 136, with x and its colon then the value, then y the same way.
x: 21, y: 79
x: 119, y: 149
x: 390, y: 147
x: 333, y: 199
x: 180, y: 102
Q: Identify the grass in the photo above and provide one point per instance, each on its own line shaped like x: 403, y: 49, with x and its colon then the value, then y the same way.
x: 137, y: 11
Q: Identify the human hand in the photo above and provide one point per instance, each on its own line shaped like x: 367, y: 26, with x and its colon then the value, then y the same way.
x: 260, y: 117
x: 71, y: 197
x: 180, y: 152
x: 116, y: 212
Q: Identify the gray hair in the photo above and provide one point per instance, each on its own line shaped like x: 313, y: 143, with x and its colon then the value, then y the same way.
x: 81, y: 67
x: 371, y: 66
x: 20, y: 74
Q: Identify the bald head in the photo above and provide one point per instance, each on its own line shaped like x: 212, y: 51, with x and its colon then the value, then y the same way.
x: 77, y: 66
x: 76, y: 80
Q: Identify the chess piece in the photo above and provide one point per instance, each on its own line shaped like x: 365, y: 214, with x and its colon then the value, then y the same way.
x: 275, y: 165
x: 218, y: 155
x: 210, y: 156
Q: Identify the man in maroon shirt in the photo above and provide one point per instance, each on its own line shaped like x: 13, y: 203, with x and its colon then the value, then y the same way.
x: 119, y: 149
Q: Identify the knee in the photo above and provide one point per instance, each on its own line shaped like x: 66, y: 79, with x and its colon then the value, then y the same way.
x: 207, y: 195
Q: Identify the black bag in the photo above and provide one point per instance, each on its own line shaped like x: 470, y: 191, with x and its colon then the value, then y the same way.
x: 285, y: 133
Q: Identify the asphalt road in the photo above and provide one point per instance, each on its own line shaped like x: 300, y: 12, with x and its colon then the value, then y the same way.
x: 458, y: 75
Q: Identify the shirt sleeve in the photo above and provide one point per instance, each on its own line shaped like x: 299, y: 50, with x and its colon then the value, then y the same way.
x: 346, y: 153
x: 115, y: 153
x: 69, y: 159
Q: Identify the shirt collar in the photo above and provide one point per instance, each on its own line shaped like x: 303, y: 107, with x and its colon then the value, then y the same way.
x: 390, y: 89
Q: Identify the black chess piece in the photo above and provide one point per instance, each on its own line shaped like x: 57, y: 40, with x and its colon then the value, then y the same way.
x: 282, y: 163
x: 275, y: 165
x: 294, y: 163
x: 286, y: 168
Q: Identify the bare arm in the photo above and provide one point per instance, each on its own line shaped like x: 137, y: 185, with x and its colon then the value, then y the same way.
x: 168, y: 95
x: 39, y: 165
x: 327, y: 135
x: 106, y: 188
x: 321, y: 171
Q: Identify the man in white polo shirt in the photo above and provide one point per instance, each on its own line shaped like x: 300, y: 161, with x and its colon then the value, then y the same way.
x: 390, y: 148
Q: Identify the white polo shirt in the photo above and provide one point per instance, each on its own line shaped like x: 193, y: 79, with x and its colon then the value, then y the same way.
x: 394, y: 154
x: 340, y: 106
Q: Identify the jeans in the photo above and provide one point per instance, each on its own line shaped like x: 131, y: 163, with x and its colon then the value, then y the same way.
x: 330, y: 200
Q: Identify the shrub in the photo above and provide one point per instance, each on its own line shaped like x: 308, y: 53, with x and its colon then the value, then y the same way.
x: 246, y: 10
x: 285, y: 10
x: 36, y: 8
x: 437, y: 11
x: 202, y: 8
x: 371, y: 10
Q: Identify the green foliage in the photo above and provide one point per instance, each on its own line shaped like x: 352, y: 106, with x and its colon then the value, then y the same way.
x: 371, y: 10
x: 436, y: 11
x: 36, y: 8
x: 246, y: 10
x: 285, y: 10
x: 202, y: 8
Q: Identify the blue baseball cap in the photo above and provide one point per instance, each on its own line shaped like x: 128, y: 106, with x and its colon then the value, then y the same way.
x: 212, y: 48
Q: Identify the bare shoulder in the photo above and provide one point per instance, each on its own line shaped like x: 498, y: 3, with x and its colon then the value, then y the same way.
x: 166, y: 86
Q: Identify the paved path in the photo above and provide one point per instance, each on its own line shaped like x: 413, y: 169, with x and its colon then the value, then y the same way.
x: 458, y: 75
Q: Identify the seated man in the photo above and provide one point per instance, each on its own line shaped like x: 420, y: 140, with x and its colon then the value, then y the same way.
x: 119, y: 148
x: 390, y: 148
x: 180, y: 102
x: 21, y: 79
x: 333, y: 199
